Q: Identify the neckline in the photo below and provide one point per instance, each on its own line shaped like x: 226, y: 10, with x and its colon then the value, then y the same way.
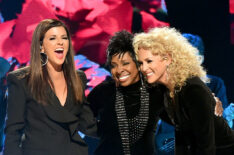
x: 132, y: 87
x: 56, y: 97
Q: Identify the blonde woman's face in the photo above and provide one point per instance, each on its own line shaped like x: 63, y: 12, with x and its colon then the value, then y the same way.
x: 55, y: 45
x: 152, y: 66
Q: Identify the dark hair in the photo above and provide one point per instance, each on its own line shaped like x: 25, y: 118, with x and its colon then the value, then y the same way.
x: 120, y: 43
x: 39, y: 78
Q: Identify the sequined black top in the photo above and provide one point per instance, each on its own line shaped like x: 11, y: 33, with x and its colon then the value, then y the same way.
x: 102, y: 100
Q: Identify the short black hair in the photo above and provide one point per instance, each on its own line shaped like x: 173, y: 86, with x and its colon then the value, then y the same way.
x: 120, y: 43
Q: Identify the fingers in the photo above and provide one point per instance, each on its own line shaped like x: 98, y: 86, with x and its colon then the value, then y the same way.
x: 218, y: 107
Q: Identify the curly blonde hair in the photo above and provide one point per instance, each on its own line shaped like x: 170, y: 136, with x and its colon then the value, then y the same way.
x: 168, y: 41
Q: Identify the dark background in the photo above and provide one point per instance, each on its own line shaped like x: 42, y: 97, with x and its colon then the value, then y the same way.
x: 211, y: 20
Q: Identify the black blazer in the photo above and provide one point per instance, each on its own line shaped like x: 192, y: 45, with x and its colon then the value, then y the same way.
x: 48, y: 130
x: 198, y: 130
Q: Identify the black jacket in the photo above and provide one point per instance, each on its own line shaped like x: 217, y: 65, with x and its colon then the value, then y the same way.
x: 198, y: 130
x: 48, y: 129
x: 102, y: 101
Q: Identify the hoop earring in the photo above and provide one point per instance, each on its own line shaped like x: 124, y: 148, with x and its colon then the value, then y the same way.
x: 44, y: 58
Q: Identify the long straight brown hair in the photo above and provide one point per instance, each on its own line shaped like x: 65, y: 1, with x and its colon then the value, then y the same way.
x: 39, y: 78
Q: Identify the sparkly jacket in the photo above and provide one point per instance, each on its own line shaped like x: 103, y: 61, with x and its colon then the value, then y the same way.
x: 103, y: 99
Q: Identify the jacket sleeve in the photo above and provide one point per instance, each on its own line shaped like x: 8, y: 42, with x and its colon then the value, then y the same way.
x: 15, y: 116
x: 93, y: 99
x: 199, y: 102
x: 97, y: 99
x: 88, y: 123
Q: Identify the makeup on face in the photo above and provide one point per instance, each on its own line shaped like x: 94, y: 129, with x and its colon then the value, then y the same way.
x: 124, y: 69
x: 153, y: 66
x: 55, y: 44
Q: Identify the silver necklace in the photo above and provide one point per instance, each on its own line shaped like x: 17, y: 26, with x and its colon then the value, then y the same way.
x: 137, y: 124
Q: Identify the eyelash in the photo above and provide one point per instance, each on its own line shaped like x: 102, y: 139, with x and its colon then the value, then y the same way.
x: 66, y: 38
x: 112, y: 66
x: 125, y: 63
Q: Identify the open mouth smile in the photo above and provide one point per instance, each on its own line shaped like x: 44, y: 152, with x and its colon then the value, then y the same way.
x: 59, y: 53
x: 122, y: 78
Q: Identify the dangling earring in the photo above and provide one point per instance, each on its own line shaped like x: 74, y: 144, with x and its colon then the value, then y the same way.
x: 44, y: 58
x: 167, y: 68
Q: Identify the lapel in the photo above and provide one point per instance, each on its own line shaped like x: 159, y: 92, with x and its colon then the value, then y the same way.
x: 177, y: 108
x: 181, y: 114
x: 168, y: 107
x: 61, y: 114
x: 173, y: 109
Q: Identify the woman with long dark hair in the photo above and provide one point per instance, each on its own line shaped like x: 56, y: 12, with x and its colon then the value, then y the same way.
x: 46, y: 103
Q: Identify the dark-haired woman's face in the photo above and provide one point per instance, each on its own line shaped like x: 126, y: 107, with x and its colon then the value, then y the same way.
x: 55, y: 45
x: 124, y: 70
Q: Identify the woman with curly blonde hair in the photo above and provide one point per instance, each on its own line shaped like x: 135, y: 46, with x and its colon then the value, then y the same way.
x: 166, y: 57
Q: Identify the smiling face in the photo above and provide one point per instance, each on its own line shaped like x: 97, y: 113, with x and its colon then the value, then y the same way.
x: 55, y: 45
x: 153, y: 66
x: 124, y: 69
